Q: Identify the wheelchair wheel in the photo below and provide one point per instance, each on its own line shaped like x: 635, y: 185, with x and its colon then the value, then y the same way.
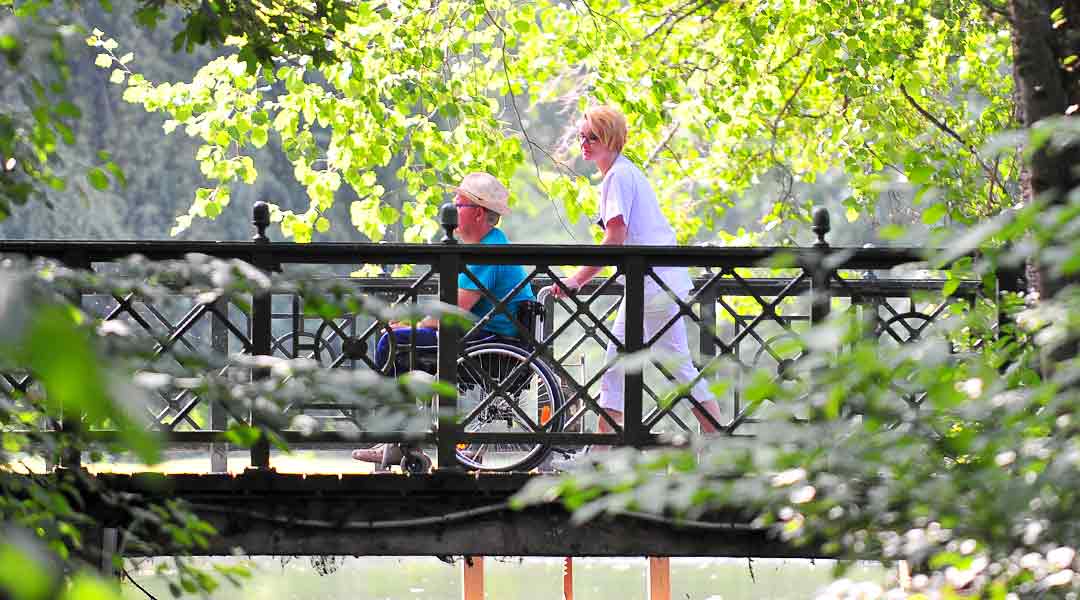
x: 499, y: 393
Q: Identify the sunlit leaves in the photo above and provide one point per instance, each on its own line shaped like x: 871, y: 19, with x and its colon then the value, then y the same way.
x: 396, y: 95
x: 718, y: 98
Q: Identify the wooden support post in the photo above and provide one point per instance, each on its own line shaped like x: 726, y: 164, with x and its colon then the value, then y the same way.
x: 659, y: 578
x: 903, y: 575
x: 110, y: 545
x: 568, y: 578
x: 472, y: 578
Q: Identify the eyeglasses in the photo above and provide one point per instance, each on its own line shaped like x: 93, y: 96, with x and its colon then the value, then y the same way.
x: 467, y: 205
x: 588, y: 137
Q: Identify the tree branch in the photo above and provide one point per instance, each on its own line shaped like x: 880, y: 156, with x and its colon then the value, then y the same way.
x: 675, y: 17
x: 660, y: 147
x: 991, y: 171
x: 994, y: 8
x: 521, y: 122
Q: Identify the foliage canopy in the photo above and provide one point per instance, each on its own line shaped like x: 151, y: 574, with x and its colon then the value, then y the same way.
x: 720, y: 95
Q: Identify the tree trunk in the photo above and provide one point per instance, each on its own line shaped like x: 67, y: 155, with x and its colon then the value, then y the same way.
x: 1046, y: 87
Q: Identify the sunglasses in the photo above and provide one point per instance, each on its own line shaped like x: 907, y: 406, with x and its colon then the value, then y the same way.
x: 588, y: 137
x: 467, y: 205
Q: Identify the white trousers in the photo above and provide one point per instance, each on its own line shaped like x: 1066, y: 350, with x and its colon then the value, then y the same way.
x: 672, y: 349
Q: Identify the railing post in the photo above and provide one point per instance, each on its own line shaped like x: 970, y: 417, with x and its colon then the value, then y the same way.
x: 71, y: 457
x: 219, y: 421
x: 261, y: 317
x: 110, y: 547
x: 821, y: 299
x: 449, y: 431
x: 634, y: 341
x: 707, y: 329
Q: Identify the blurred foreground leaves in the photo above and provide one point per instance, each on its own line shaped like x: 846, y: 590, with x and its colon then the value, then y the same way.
x: 82, y: 375
x: 958, y: 452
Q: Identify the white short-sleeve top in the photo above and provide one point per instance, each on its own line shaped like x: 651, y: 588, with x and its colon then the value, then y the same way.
x: 625, y: 191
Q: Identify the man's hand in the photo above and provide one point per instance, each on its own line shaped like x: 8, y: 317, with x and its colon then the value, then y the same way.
x: 425, y: 323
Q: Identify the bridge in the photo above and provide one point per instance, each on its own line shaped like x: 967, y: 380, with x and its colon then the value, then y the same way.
x: 747, y: 308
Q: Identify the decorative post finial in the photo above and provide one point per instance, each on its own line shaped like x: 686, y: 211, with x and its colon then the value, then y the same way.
x: 260, y: 218
x: 821, y: 226
x: 448, y: 217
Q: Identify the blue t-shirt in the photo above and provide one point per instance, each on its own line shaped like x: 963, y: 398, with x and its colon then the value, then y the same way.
x: 498, y: 280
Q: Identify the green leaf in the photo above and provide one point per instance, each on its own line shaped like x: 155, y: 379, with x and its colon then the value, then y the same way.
x: 388, y: 215
x: 103, y: 60
x: 97, y: 178
x: 75, y: 381
x: 934, y: 213
x: 117, y: 173
x: 358, y: 213
x: 90, y: 587
x: 243, y: 435
x: 65, y: 108
x: 920, y: 175
x: 322, y: 225
x: 21, y: 576
x: 259, y: 137
x: 892, y: 231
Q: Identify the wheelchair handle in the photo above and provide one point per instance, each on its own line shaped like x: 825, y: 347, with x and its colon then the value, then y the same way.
x: 543, y: 294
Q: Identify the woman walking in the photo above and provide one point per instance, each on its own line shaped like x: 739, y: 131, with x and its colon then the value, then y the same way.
x: 630, y: 214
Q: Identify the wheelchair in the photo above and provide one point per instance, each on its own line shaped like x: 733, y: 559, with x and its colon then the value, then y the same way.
x: 500, y: 390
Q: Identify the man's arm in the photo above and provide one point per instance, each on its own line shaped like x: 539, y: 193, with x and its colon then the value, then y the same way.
x: 466, y: 299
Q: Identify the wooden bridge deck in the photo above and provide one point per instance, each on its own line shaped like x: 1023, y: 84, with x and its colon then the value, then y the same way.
x: 439, y: 514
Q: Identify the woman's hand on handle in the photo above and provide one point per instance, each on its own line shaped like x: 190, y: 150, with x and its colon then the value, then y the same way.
x: 558, y: 291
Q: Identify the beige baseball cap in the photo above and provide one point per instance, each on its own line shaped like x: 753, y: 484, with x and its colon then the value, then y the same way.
x: 486, y: 191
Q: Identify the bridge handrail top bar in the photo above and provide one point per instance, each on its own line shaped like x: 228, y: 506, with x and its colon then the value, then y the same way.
x: 401, y: 253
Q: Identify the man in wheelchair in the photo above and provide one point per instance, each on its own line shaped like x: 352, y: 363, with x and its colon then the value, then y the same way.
x: 481, y: 200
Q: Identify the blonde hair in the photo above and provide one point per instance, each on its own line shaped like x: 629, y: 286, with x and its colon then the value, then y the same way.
x: 609, y: 124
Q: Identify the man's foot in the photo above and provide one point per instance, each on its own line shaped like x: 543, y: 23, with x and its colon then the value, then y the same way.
x: 383, y: 455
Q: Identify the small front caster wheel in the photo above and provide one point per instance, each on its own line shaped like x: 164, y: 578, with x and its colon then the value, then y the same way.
x: 415, y: 462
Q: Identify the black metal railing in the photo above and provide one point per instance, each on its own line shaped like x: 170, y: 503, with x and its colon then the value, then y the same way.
x: 745, y: 306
